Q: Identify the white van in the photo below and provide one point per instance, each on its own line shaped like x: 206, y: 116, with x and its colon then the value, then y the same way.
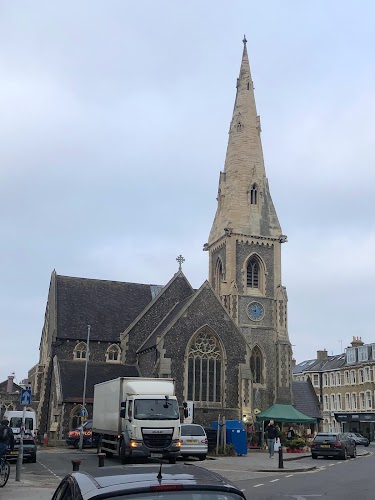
x: 15, y: 421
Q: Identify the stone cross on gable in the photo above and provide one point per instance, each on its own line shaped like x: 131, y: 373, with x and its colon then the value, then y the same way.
x: 180, y: 259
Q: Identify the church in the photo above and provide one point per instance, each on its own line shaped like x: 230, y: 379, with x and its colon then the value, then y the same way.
x: 226, y: 344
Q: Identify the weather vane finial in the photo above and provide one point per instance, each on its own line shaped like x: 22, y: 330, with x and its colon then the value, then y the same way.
x: 180, y: 260
x: 244, y: 40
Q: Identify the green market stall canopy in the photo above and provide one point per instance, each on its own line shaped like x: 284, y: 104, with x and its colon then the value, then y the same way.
x: 285, y: 413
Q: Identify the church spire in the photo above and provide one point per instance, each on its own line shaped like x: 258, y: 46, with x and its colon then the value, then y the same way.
x: 244, y: 202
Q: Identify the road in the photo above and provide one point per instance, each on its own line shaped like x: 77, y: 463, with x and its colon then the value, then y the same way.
x: 333, y: 479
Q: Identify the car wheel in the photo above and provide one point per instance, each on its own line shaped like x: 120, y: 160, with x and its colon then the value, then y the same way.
x: 314, y: 456
x: 172, y: 460
x: 33, y: 459
x: 202, y: 457
x: 354, y: 452
x: 366, y: 445
x: 344, y: 455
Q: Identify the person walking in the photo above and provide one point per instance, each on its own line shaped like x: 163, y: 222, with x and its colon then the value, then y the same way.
x: 6, y: 437
x: 271, y: 437
x: 291, y: 434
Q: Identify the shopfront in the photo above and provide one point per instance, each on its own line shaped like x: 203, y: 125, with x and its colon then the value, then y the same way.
x: 364, y: 423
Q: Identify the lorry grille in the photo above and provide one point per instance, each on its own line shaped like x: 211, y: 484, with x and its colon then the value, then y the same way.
x: 156, y: 440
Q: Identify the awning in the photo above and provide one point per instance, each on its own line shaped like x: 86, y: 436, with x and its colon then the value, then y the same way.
x: 285, y: 413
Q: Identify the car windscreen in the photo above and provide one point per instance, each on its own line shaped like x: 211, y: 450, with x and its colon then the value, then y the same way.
x: 327, y: 437
x: 180, y: 495
x: 17, y: 422
x: 156, y: 409
x: 192, y: 430
x: 358, y: 435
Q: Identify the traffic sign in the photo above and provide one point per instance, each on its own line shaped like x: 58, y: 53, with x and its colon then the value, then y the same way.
x: 25, y: 397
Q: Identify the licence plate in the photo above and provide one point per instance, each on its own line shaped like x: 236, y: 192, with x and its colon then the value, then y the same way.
x: 14, y: 452
x: 325, y: 446
x: 156, y: 455
x: 190, y: 441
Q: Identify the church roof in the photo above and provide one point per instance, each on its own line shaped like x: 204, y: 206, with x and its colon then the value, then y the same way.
x: 305, y: 399
x: 72, y: 377
x: 109, y: 307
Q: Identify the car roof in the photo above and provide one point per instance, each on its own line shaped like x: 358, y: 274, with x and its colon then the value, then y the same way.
x: 194, y: 425
x: 140, y: 478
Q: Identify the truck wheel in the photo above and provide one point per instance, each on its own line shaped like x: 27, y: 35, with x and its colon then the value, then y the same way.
x: 202, y: 457
x: 124, y: 455
x: 172, y: 460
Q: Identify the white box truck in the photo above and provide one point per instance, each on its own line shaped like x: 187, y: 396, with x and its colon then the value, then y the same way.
x: 137, y: 417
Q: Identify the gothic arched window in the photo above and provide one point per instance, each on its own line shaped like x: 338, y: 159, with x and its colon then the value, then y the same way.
x: 204, y: 367
x: 218, y: 276
x: 252, y: 274
x: 112, y: 354
x: 256, y: 365
x: 254, y: 194
x: 80, y: 351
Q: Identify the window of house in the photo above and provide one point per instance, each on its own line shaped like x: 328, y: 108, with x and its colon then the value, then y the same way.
x: 351, y: 355
x: 353, y: 377
x: 325, y: 402
x: 368, y: 400
x: 332, y: 379
x: 361, y: 376
x: 256, y: 365
x: 367, y: 374
x: 333, y: 402
x: 347, y: 378
x: 325, y: 379
x: 205, y: 367
x: 338, y: 402
x: 316, y: 380
x: 354, y: 401
x: 363, y: 353
x: 338, y: 378
x: 362, y: 400
x: 254, y: 194
x: 80, y: 351
x: 373, y: 351
x: 113, y: 353
x: 347, y: 401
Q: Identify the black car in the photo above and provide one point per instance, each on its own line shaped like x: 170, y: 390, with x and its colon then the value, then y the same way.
x: 159, y: 482
x: 333, y: 444
x: 358, y: 438
x: 29, y: 448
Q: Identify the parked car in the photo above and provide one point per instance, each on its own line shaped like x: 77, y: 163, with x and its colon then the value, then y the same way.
x: 358, y: 438
x: 89, y: 438
x: 29, y: 447
x: 154, y: 482
x: 194, y: 442
x: 333, y: 444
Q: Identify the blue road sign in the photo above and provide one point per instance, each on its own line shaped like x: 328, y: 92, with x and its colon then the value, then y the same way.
x: 83, y: 412
x: 25, y: 397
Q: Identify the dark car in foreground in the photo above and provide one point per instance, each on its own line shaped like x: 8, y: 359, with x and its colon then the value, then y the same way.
x: 333, y: 444
x: 358, y: 438
x: 159, y: 482
x: 89, y: 438
x: 29, y: 448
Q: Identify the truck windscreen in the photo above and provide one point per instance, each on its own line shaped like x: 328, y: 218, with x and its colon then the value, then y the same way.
x: 156, y: 409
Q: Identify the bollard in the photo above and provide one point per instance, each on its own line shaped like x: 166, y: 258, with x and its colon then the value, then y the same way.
x: 76, y: 464
x: 281, y: 461
x: 101, y: 457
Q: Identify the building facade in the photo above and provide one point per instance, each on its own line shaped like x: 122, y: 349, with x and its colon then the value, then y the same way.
x: 345, y: 386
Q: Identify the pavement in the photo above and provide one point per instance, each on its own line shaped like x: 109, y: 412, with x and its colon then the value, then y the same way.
x: 256, y: 461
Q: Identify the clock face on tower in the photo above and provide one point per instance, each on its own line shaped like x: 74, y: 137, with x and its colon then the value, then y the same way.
x: 255, y: 311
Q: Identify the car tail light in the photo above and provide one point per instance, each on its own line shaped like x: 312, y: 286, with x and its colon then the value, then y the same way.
x: 205, y: 441
x: 314, y: 443
x: 167, y: 487
x: 336, y: 443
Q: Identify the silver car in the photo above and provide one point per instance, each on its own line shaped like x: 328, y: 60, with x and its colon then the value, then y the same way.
x: 194, y: 441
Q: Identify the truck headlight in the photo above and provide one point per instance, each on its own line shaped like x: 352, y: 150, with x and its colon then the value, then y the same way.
x: 133, y: 444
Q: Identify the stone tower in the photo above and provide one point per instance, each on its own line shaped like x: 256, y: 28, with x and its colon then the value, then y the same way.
x: 245, y: 251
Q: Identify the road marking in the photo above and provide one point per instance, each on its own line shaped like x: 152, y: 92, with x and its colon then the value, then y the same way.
x: 331, y: 465
x: 339, y: 462
x: 274, y: 480
x: 290, y: 475
x: 256, y: 485
x: 243, y: 490
x: 49, y: 470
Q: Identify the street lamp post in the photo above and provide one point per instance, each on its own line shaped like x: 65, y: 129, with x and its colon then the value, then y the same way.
x: 84, y: 388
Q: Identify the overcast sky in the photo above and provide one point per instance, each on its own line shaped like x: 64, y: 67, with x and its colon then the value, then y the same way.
x: 113, y: 130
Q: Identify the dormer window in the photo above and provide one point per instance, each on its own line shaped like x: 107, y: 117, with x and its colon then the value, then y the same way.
x: 254, y: 194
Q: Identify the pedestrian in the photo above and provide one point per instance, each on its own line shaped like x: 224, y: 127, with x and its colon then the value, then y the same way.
x: 290, y: 434
x: 271, y: 437
x: 6, y: 437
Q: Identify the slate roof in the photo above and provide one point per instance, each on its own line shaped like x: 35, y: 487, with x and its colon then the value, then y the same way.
x: 305, y: 399
x: 107, y: 306
x: 314, y: 365
x: 72, y: 377
x: 172, y: 315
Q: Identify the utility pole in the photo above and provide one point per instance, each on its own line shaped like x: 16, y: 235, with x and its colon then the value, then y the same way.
x: 84, y: 389
x: 25, y: 400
